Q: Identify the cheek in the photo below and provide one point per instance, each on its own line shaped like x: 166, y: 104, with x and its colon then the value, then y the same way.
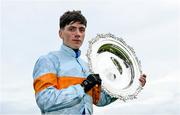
x: 66, y: 40
x: 83, y: 37
x: 67, y: 37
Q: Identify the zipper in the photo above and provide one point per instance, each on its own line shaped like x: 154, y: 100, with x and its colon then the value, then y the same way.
x: 80, y: 66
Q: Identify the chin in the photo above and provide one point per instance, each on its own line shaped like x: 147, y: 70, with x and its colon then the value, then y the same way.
x: 75, y: 47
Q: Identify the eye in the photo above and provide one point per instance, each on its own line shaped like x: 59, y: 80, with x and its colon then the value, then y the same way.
x: 72, y: 29
x: 82, y: 29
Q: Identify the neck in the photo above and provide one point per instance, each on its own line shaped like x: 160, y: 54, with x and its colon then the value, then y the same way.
x: 76, y: 50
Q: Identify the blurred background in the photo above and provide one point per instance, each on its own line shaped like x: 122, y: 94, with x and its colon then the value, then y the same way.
x: 29, y: 29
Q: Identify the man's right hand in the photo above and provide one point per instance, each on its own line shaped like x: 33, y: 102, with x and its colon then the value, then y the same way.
x: 91, y: 81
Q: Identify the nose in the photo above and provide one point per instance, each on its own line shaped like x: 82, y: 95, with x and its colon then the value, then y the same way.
x: 77, y: 34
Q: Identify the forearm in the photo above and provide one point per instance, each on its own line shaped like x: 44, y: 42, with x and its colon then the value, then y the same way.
x: 52, y: 99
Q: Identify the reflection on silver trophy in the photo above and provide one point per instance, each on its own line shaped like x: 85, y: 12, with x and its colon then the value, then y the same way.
x: 117, y: 65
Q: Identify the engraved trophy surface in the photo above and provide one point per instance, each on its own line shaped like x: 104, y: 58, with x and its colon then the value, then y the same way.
x: 117, y: 65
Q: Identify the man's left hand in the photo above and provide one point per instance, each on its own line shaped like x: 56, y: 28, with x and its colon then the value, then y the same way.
x: 142, y: 80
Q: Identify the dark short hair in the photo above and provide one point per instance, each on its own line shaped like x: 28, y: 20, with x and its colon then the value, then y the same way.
x: 71, y: 16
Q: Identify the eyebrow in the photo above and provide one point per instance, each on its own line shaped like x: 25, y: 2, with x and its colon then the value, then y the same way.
x: 71, y: 26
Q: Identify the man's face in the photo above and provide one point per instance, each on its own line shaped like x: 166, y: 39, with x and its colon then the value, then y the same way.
x: 73, y: 35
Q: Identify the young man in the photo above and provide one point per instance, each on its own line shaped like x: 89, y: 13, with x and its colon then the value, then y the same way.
x: 62, y: 82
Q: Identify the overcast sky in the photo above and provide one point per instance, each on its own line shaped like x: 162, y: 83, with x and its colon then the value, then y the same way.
x: 29, y: 29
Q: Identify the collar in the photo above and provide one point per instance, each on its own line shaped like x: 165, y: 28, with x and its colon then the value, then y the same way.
x: 69, y: 51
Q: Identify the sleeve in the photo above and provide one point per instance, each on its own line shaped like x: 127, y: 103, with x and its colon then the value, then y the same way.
x: 48, y: 97
x: 105, y: 99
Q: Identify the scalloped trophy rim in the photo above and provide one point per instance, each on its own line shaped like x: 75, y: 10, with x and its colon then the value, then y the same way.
x: 89, y: 51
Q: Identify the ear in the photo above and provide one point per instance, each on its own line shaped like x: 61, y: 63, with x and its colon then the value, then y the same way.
x: 60, y: 33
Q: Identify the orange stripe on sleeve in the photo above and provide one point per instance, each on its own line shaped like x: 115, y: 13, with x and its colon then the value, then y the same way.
x: 66, y: 81
x: 45, y: 81
x: 62, y: 82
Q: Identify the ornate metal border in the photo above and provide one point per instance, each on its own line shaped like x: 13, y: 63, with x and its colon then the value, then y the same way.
x: 89, y: 51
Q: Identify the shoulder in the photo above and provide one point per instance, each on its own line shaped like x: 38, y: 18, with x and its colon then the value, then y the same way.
x: 47, y: 63
x: 50, y: 57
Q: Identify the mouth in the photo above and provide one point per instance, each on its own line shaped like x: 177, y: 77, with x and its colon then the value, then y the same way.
x: 76, y: 40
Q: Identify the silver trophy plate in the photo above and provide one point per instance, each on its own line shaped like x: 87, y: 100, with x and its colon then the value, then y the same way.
x: 117, y: 65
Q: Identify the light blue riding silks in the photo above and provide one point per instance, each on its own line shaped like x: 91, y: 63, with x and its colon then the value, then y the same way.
x: 71, y: 100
